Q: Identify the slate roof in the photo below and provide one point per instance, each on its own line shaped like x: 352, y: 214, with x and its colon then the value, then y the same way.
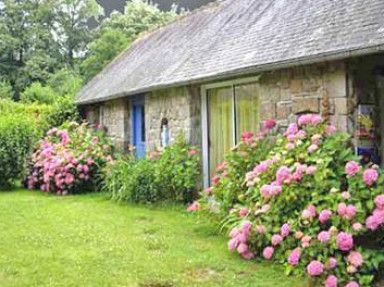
x: 235, y: 37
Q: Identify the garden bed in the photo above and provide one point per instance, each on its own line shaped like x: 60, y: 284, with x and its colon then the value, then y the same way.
x: 86, y: 240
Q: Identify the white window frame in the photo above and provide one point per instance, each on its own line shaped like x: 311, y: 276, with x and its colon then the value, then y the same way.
x: 204, y: 118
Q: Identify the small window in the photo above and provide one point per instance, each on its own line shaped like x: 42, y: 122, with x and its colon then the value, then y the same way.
x: 164, y: 134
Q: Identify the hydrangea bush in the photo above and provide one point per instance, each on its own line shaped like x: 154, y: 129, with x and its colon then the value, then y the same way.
x: 69, y: 160
x: 305, y: 202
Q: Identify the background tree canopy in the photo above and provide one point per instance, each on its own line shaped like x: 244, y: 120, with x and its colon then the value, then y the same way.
x: 49, y: 42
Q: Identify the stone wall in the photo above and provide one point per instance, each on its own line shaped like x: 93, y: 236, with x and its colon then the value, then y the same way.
x: 181, y: 106
x: 320, y: 88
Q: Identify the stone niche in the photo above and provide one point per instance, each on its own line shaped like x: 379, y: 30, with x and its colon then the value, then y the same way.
x: 284, y: 94
x: 181, y: 107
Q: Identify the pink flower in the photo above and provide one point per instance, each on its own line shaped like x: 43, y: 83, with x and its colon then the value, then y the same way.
x: 379, y: 215
x: 282, y: 174
x: 291, y: 138
x: 292, y: 129
x: 352, y: 284
x: 269, y: 124
x: 324, y: 236
x: 315, y: 268
x: 268, y: 252
x: 325, y: 215
x: 299, y: 234
x: 305, y: 241
x: 370, y: 176
x: 332, y: 263
x: 247, y: 255
x: 330, y: 130
x: 310, y: 212
x: 308, y: 119
x: 352, y: 167
x: 355, y: 258
x: 344, y: 241
x: 311, y: 169
x: 234, y: 232
x: 331, y: 281
x: 233, y: 243
x: 246, y: 228
x: 192, y: 152
x: 357, y: 226
x: 372, y: 223
x: 209, y: 191
x: 346, y: 195
x: 351, y: 212
x: 294, y: 257
x: 242, y: 248
x: 243, y: 212
x: 193, y: 207
x: 342, y: 209
x: 312, y: 148
x: 69, y: 178
x: 285, y: 230
x: 247, y: 135
x: 276, y: 239
x: 379, y: 201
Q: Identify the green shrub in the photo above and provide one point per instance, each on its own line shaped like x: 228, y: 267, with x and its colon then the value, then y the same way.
x: 65, y: 82
x: 37, y: 93
x: 6, y: 91
x: 170, y: 175
x: 307, y: 203
x: 69, y: 160
x: 63, y: 110
x: 17, y: 137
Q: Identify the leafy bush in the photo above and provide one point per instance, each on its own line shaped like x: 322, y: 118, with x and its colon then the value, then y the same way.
x: 168, y: 175
x: 17, y: 136
x: 70, y: 160
x: 6, y: 91
x: 63, y: 110
x: 65, y: 82
x: 306, y: 203
x: 37, y: 93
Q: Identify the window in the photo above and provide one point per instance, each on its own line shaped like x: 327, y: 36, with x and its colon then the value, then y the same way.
x: 231, y: 109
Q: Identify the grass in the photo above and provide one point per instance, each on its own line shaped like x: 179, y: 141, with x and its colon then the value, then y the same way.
x: 90, y: 241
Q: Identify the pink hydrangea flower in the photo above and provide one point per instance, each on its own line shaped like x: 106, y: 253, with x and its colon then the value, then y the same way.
x: 312, y: 148
x: 246, y: 228
x: 291, y: 138
x: 330, y: 130
x: 299, y: 234
x: 324, y: 236
x: 306, y: 240
x: 310, y: 212
x: 269, y: 124
x: 352, y: 284
x: 372, y: 223
x: 325, y: 215
x: 315, y: 268
x: 242, y: 248
x: 344, y: 241
x: 193, y: 207
x: 268, y: 252
x: 292, y: 129
x: 379, y: 201
x: 357, y: 226
x: 282, y: 174
x: 290, y: 146
x: 243, y: 212
x: 294, y: 257
x: 355, y: 258
x: 234, y: 232
x: 192, y: 152
x: 247, y: 135
x: 346, y: 195
x: 285, y: 230
x: 276, y: 239
x: 233, y: 243
x: 311, y: 169
x: 370, y: 176
x: 332, y: 263
x: 331, y: 281
x: 209, y: 191
x: 352, y: 167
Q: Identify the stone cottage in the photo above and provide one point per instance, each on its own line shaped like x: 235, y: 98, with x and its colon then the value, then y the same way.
x: 227, y: 67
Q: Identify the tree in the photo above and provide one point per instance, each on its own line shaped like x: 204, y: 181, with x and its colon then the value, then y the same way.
x: 120, y: 30
x: 71, y: 26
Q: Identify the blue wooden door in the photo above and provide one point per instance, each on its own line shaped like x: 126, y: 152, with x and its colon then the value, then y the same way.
x: 138, y: 124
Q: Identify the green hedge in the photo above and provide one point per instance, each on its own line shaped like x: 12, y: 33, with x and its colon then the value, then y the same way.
x: 18, y: 135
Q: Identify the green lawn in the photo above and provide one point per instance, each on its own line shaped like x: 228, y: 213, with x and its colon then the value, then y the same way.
x: 90, y: 241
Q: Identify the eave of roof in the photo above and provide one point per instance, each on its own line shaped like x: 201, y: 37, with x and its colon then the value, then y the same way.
x: 325, y: 57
